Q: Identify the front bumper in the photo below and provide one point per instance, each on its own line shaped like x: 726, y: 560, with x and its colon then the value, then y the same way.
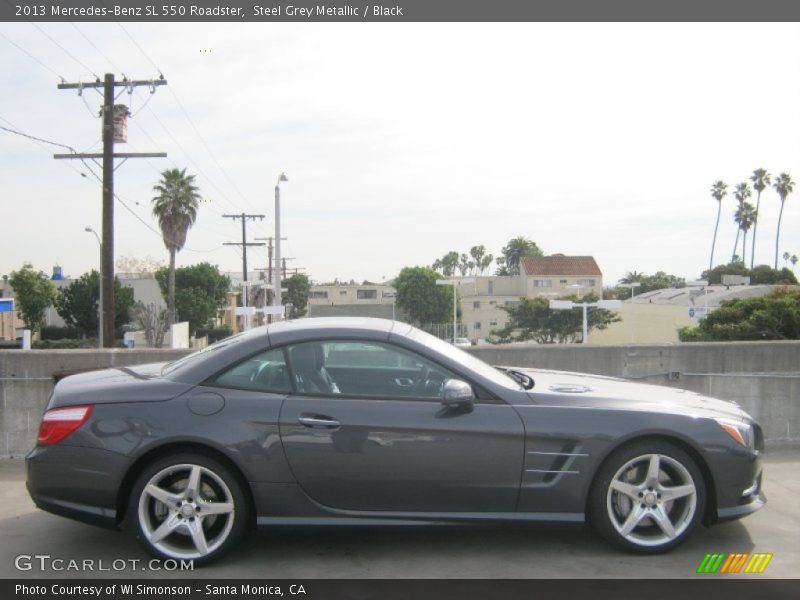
x: 752, y: 499
x: 76, y: 482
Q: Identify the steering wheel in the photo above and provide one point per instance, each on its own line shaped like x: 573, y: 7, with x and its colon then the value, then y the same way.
x: 419, y: 388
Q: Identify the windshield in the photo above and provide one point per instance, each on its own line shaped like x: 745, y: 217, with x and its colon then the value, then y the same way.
x: 190, y: 358
x: 465, y: 358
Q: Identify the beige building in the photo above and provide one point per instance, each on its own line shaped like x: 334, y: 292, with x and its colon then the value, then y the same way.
x: 655, y: 317
x: 540, y: 276
x: 351, y: 299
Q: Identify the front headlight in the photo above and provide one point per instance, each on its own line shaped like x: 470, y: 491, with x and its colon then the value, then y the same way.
x: 742, y: 433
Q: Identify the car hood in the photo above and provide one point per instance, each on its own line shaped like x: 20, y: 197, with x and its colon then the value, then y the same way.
x: 579, y: 389
x: 140, y: 383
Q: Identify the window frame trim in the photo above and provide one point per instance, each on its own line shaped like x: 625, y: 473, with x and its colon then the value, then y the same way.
x: 488, y: 396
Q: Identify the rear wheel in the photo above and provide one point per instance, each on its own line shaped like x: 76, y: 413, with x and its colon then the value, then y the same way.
x: 647, y: 497
x: 188, y: 507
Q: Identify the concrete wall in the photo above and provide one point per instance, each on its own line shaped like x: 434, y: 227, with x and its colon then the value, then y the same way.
x: 763, y: 377
x: 26, y: 382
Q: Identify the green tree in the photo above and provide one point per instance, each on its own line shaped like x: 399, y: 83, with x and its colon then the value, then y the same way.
x: 775, y: 316
x: 784, y: 186
x: 515, y: 249
x: 761, y: 274
x: 447, y: 264
x: 735, y: 267
x: 502, y: 269
x: 718, y: 191
x: 175, y: 207
x: 78, y: 303
x: 761, y: 180
x: 741, y: 192
x: 657, y: 281
x: 33, y: 293
x: 480, y: 259
x: 766, y: 275
x: 745, y: 216
x: 423, y: 300
x: 298, y: 287
x: 532, y: 319
x: 200, y: 292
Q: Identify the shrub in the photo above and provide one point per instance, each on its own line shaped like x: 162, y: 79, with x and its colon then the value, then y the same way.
x: 214, y: 334
x: 52, y: 332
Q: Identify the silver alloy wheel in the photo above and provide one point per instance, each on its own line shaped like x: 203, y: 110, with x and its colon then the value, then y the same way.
x: 651, y: 500
x: 186, y: 511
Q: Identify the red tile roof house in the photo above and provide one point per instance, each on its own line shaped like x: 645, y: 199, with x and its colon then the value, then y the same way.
x: 561, y: 275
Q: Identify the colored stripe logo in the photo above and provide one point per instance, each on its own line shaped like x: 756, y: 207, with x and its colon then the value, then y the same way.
x: 737, y: 562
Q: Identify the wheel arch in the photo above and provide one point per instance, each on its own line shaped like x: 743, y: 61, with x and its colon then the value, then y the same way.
x: 710, y: 510
x: 175, y: 447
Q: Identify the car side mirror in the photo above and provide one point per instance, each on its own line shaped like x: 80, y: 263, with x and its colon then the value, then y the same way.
x: 457, y: 393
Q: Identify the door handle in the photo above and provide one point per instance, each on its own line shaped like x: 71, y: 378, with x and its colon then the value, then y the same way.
x: 318, y: 421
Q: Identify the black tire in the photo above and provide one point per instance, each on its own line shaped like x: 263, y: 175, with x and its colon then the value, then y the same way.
x: 646, y: 504
x: 193, y: 517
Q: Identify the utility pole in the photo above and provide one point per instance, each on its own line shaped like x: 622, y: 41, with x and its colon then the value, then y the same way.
x: 244, y: 244
x: 110, y: 136
x: 284, y: 265
x: 270, y: 247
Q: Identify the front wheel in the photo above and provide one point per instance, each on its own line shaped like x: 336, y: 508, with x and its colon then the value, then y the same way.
x: 188, y: 507
x: 647, y: 497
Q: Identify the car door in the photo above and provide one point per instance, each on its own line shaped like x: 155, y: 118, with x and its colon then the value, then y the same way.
x: 379, y: 439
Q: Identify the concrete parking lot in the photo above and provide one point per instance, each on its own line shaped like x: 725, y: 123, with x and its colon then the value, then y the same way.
x: 500, y: 552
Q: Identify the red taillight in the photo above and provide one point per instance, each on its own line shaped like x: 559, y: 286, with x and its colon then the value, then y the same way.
x: 60, y: 422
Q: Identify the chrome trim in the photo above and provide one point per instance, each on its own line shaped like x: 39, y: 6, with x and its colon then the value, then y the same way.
x: 547, y: 471
x: 558, y: 453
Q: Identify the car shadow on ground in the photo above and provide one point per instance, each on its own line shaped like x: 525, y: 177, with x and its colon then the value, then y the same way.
x: 517, y: 551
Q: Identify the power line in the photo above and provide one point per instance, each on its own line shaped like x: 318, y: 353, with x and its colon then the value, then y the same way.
x: 135, y: 43
x: 31, y: 56
x: 191, y: 160
x: 191, y: 122
x: 139, y: 218
x: 208, y: 148
x: 64, y: 50
x: 38, y: 139
x: 111, y: 62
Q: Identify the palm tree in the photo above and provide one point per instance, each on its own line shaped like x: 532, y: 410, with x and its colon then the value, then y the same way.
x: 786, y: 257
x: 761, y: 180
x: 515, y: 249
x: 718, y: 191
x: 477, y: 253
x: 793, y: 260
x: 632, y: 277
x: 175, y: 208
x: 741, y: 192
x: 746, y: 217
x: 784, y: 186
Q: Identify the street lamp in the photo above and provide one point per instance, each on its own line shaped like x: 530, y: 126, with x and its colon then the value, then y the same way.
x: 632, y: 286
x: 569, y: 305
x: 454, y: 283
x: 276, y: 274
x: 100, y: 308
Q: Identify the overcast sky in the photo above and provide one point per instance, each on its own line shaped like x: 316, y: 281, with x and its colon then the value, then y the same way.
x: 404, y: 141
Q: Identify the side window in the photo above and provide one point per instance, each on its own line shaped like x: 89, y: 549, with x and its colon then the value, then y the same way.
x: 265, y: 372
x: 366, y: 369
